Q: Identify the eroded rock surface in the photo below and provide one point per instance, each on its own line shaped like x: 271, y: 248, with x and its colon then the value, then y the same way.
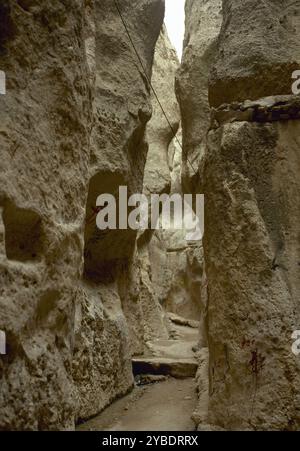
x: 109, y: 319
x: 157, y: 177
x: 253, y: 306
x: 72, y: 127
x: 248, y: 173
x: 45, y: 125
x: 203, y: 24
x: 170, y: 268
x: 159, y: 132
x: 258, y: 50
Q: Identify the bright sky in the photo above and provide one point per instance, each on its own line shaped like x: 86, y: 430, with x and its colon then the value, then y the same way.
x: 174, y: 20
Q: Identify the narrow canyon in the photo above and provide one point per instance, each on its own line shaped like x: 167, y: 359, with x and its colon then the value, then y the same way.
x: 148, y: 329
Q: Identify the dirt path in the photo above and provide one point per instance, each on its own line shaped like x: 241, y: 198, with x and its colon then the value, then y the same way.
x: 164, y: 406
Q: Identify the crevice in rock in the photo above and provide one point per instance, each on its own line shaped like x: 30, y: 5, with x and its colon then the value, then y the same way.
x: 106, y: 252
x: 23, y: 233
x: 7, y: 26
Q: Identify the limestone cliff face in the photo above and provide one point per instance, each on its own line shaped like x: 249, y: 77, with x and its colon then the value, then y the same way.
x: 176, y: 264
x: 249, y: 177
x: 157, y: 177
x: 203, y: 23
x: 253, y: 308
x: 258, y: 41
x: 109, y: 319
x: 71, y: 127
x: 45, y: 126
x: 170, y: 268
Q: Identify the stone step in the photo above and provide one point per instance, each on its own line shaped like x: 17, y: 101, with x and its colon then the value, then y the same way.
x: 173, y: 349
x: 178, y: 368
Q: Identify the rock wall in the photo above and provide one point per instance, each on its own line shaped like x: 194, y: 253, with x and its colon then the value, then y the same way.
x: 157, y: 177
x: 248, y: 174
x: 202, y: 28
x: 176, y: 264
x: 109, y: 319
x: 203, y: 23
x: 258, y: 41
x: 71, y: 127
x: 45, y: 126
x: 170, y: 267
x: 253, y: 305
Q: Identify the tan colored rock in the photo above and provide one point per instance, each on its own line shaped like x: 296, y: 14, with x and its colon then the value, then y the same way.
x: 170, y: 268
x: 152, y: 314
x: 253, y: 309
x: 200, y: 415
x: 252, y: 211
x: 72, y: 126
x: 179, y: 320
x: 172, y: 348
x: 110, y: 320
x: 177, y: 272
x: 203, y: 24
x: 45, y: 124
x: 160, y: 133
x: 258, y: 41
x: 157, y: 177
x: 101, y: 366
